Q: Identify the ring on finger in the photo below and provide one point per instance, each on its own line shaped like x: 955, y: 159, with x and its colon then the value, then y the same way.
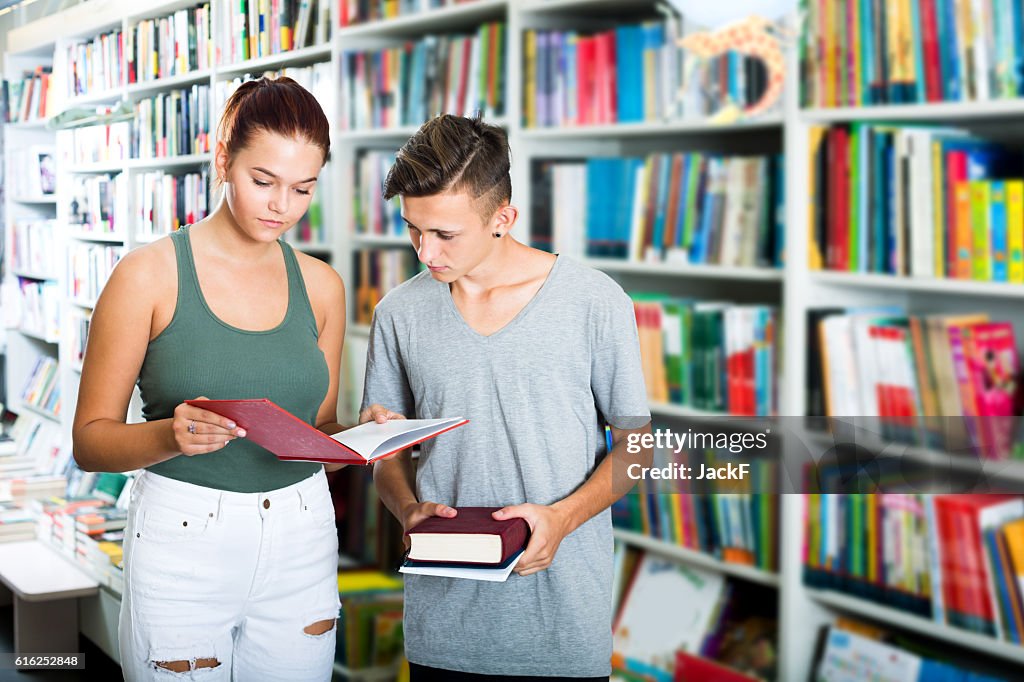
x: 192, y: 427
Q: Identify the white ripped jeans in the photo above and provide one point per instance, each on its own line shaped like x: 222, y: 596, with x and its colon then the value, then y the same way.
x: 235, y: 577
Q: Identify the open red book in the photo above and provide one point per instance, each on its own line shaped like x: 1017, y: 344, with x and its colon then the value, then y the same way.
x: 471, y: 537
x: 290, y: 438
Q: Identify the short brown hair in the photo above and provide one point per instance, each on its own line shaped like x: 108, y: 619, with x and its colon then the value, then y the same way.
x: 275, y: 105
x: 454, y: 153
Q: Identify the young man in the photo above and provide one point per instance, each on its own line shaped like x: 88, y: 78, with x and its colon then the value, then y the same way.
x: 537, y: 351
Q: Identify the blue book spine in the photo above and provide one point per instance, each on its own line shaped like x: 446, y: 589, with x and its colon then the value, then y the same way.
x: 890, y: 214
x: 780, y: 210
x: 918, y: 37
x: 867, y: 55
x: 629, y: 73
x: 1016, y: 36
x: 880, y: 190
x: 998, y: 227
x: 572, y: 94
x: 951, y: 44
x: 664, y: 172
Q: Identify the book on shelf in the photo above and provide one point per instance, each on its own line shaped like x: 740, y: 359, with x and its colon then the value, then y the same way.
x: 916, y: 201
x: 680, y: 208
x: 369, y: 626
x: 712, y: 356
x: 292, y: 439
x: 732, y: 522
x: 378, y: 271
x: 473, y: 536
x: 850, y: 650
x: 173, y: 123
x: 318, y: 78
x: 631, y: 73
x: 31, y: 171
x: 89, y: 268
x: 80, y: 321
x: 31, y: 97
x: 172, y: 45
x: 98, y: 203
x: 675, y: 620
x: 371, y: 214
x: 949, y: 557
x: 251, y: 29
x: 42, y: 388
x: 95, y: 64
x: 354, y: 12
x: 860, y: 54
x: 911, y: 375
x: 107, y: 143
x: 408, y: 84
x: 32, y: 247
x: 36, y: 307
x: 164, y: 201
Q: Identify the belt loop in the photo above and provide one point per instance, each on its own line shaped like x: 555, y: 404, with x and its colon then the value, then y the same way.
x: 220, y: 506
x: 302, y: 497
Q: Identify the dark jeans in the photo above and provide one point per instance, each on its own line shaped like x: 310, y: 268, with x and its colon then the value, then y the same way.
x: 421, y: 673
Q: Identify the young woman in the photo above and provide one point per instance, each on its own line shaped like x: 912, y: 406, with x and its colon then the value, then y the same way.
x: 230, y: 554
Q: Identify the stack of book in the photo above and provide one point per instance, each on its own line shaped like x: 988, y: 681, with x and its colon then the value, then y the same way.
x: 251, y: 28
x: 361, y: 11
x: 37, y: 308
x: 916, y: 201
x: 89, y: 268
x: 100, y: 143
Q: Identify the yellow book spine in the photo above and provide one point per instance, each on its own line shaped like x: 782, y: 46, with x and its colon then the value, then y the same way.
x: 830, y: 52
x: 1015, y: 229
x: 531, y: 79
x: 815, y: 261
x: 939, y: 217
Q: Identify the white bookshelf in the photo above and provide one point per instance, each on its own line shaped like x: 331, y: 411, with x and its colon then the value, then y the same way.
x: 793, y: 287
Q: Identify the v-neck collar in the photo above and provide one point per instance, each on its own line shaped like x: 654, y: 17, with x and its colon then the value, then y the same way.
x: 446, y: 292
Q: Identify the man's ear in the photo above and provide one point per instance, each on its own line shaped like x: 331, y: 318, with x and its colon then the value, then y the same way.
x: 504, y: 219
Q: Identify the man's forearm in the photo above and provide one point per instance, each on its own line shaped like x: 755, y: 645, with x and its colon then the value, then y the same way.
x: 605, y: 486
x: 394, y: 481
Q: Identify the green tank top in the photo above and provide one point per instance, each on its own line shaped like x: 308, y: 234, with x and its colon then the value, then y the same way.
x: 198, y: 354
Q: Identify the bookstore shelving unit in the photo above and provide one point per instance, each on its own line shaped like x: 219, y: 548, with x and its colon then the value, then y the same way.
x: 794, y: 288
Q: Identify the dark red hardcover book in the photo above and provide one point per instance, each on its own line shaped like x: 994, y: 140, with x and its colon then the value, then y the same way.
x: 470, y: 521
x: 290, y: 438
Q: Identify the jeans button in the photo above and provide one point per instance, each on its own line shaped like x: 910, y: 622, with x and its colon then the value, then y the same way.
x: 266, y: 504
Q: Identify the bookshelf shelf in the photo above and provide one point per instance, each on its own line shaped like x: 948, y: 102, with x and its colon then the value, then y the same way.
x: 939, y: 111
x: 1001, y: 470
x: 95, y: 98
x: 81, y: 303
x: 696, y: 558
x: 925, y: 626
x: 35, y: 124
x: 446, y: 19
x: 944, y: 287
x: 114, y: 166
x: 28, y: 274
x: 661, y: 129
x: 169, y: 162
x: 146, y: 88
x: 392, y: 240
x: 687, y: 270
x: 36, y: 201
x: 38, y: 336
x: 99, y: 237
x: 303, y: 56
x: 671, y: 410
x: 387, y: 134
x: 552, y: 6
x: 45, y: 414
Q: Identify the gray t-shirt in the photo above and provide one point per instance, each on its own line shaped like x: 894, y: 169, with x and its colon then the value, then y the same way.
x: 534, y: 392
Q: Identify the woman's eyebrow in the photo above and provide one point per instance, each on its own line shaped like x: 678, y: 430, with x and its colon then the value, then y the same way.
x: 264, y: 170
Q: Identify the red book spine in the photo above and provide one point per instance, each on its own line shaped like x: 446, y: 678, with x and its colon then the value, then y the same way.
x: 932, y: 63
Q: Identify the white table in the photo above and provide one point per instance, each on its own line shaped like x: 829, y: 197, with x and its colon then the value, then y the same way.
x: 46, y: 589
